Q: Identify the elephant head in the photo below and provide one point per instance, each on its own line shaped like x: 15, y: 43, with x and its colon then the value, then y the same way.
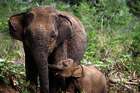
x: 41, y: 30
x: 40, y: 24
x: 67, y: 68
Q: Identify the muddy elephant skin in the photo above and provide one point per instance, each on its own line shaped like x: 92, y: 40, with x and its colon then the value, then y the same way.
x: 80, y: 78
x: 43, y: 31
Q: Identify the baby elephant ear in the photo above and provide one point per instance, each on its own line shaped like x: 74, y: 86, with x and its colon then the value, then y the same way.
x: 16, y: 26
x: 78, y: 72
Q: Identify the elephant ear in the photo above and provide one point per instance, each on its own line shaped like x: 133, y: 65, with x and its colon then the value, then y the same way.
x: 77, y: 72
x: 16, y: 26
x: 17, y: 23
x: 64, y: 26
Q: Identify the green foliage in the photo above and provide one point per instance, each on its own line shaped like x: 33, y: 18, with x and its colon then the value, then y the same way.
x: 134, y: 6
x: 107, y: 28
x: 135, y: 48
x: 9, y: 69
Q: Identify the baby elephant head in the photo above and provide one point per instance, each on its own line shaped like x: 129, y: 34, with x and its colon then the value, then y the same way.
x: 67, y: 68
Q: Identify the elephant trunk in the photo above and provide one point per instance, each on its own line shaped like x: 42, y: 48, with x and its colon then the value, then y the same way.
x: 41, y: 60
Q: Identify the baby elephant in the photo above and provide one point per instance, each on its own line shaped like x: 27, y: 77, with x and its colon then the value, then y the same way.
x: 80, y: 78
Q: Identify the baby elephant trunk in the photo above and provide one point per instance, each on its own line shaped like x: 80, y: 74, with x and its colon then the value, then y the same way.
x: 55, y: 67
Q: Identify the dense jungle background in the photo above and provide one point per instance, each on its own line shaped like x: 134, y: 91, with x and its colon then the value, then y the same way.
x: 113, y: 30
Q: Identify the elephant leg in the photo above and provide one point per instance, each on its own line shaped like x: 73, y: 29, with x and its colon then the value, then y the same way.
x: 31, y: 70
x: 52, y: 86
x: 56, y: 84
x: 31, y: 76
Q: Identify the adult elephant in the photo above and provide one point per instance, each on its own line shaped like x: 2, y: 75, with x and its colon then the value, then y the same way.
x: 44, y: 31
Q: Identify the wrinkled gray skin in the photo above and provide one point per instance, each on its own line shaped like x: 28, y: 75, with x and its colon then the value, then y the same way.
x: 43, y: 32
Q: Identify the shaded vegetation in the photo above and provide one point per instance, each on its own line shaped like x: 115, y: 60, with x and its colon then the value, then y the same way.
x: 113, y: 40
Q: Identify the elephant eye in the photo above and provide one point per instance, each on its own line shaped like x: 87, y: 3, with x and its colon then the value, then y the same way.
x: 53, y: 35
